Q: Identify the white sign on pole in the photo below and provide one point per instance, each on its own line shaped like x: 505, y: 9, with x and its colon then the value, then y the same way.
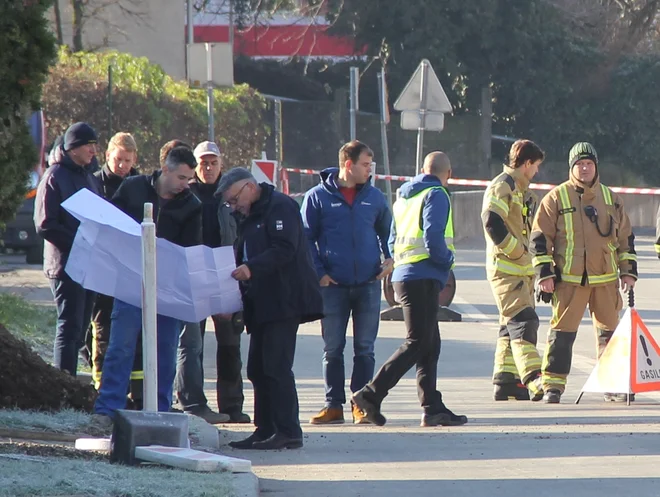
x: 222, y: 58
x: 435, y: 121
x: 436, y: 98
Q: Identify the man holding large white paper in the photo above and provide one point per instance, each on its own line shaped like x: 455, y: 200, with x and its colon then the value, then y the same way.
x: 177, y: 213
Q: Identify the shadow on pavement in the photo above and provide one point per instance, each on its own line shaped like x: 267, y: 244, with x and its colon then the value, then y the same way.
x: 430, y: 486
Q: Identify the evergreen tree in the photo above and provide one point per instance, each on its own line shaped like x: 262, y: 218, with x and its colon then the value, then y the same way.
x: 27, y: 48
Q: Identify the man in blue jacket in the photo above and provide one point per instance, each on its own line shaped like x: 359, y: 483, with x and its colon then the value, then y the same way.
x: 68, y: 174
x: 347, y: 223
x: 421, y: 268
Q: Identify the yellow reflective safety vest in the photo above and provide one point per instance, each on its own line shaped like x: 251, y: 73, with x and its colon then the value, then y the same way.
x: 509, y: 197
x: 409, y: 244
x: 585, y: 233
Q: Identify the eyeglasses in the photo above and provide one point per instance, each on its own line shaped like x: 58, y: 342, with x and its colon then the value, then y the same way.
x: 234, y: 200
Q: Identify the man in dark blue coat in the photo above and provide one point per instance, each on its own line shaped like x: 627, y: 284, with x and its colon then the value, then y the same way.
x: 280, y: 291
x: 347, y: 222
x: 65, y: 177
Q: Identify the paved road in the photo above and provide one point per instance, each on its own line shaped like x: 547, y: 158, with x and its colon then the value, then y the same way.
x: 508, y: 448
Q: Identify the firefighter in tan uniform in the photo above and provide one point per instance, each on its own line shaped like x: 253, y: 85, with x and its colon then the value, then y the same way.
x: 507, y: 217
x: 583, y: 249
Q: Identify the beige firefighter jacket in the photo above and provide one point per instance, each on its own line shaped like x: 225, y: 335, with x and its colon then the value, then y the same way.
x: 584, y: 234
x: 508, y: 199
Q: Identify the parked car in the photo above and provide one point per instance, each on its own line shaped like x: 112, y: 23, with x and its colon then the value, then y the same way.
x: 20, y: 233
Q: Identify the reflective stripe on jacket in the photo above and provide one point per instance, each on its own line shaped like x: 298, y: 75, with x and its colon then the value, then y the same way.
x: 509, y: 199
x: 585, y: 233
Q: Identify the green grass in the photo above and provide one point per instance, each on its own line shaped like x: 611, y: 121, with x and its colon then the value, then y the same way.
x: 50, y: 477
x: 33, y: 323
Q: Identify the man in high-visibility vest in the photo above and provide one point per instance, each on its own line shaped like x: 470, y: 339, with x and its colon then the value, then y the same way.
x: 507, y: 217
x: 584, y: 249
x: 422, y: 262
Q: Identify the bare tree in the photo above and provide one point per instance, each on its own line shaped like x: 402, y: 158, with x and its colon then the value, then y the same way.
x: 620, y: 27
x: 259, y: 12
x: 109, y: 13
x: 58, y: 22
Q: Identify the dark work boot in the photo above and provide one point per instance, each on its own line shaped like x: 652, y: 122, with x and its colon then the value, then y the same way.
x: 443, y: 417
x: 552, y: 396
x: 510, y: 390
x: 369, y: 407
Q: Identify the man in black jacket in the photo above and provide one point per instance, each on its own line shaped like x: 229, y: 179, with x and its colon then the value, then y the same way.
x: 280, y: 291
x: 218, y: 229
x: 120, y: 159
x: 178, y: 215
x: 66, y: 176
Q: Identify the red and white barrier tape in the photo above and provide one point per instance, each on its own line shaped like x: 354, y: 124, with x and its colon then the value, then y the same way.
x: 484, y: 183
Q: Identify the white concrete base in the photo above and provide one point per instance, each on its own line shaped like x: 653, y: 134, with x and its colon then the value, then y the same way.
x: 96, y: 444
x: 192, y: 460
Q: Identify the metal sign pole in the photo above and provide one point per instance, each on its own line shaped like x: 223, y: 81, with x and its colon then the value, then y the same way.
x: 209, y: 89
x: 355, y: 75
x: 383, y: 134
x: 149, y: 311
x: 422, y: 115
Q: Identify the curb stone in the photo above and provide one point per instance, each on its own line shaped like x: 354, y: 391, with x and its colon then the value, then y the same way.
x: 246, y: 485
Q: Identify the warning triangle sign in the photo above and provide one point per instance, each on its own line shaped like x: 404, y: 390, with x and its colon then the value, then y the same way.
x: 630, y: 362
x: 411, y: 98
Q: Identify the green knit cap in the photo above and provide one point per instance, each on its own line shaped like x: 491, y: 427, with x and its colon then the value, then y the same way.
x: 582, y: 150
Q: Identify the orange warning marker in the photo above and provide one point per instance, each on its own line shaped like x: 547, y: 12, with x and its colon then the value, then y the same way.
x: 630, y: 362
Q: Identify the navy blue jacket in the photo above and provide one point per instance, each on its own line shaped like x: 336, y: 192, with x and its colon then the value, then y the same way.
x: 54, y: 223
x: 272, y: 243
x: 346, y: 241
x: 433, y: 221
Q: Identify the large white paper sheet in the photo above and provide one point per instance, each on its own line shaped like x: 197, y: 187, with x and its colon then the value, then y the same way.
x: 193, y: 282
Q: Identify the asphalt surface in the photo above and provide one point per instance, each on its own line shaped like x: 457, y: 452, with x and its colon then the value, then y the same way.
x: 507, y: 448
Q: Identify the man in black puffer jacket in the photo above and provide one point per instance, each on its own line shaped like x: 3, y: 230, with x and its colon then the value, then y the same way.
x: 65, y: 177
x: 178, y: 217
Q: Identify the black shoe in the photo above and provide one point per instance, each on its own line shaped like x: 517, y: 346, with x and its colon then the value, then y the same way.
x: 437, y: 419
x: 248, y: 442
x: 277, y: 442
x: 444, y: 418
x: 370, y: 409
x: 552, y: 397
x: 618, y: 397
x: 517, y: 391
x: 238, y: 417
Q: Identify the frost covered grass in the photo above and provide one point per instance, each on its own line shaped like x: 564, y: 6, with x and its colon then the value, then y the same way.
x: 48, y: 477
x: 66, y: 421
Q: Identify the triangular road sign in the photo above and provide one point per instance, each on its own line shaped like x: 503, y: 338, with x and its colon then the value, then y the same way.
x: 630, y: 362
x: 436, y: 98
x: 645, y: 376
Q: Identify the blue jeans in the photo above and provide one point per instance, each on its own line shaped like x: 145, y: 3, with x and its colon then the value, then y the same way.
x: 339, y: 302
x: 126, y: 325
x: 74, y: 313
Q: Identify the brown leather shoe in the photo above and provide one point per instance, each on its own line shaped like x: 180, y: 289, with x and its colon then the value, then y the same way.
x: 328, y: 416
x: 359, y: 418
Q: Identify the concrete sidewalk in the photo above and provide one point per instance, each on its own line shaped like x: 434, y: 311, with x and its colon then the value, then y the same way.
x: 507, y: 449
